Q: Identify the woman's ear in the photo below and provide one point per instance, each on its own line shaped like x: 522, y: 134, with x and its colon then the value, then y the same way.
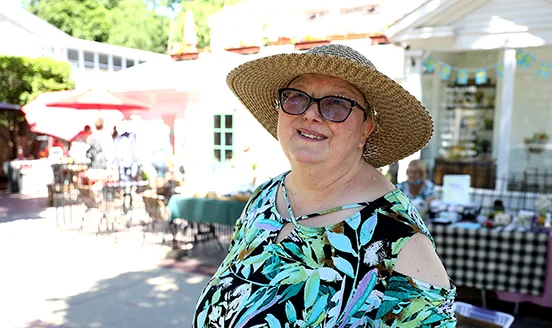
x: 366, y: 131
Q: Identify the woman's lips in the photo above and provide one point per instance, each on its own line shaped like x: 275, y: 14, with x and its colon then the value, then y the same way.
x: 311, y: 135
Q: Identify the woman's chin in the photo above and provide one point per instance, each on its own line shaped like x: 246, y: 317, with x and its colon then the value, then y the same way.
x: 307, y: 158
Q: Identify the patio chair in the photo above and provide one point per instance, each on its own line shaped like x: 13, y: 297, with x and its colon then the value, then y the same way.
x: 158, y: 216
x: 92, y: 199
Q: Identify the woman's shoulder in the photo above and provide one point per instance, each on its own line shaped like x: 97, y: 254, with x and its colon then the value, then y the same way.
x: 263, y: 194
x: 397, y: 205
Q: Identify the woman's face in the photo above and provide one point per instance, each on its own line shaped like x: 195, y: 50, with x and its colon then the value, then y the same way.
x: 413, y: 173
x: 310, y: 139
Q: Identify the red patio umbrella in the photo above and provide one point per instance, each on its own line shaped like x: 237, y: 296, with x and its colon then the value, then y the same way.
x: 100, y: 100
x: 62, y: 122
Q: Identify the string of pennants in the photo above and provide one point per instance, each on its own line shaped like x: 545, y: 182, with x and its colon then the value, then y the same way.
x: 523, y: 59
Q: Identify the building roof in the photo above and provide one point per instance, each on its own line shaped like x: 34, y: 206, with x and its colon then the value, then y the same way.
x: 452, y: 25
x: 31, y: 23
x: 25, y: 20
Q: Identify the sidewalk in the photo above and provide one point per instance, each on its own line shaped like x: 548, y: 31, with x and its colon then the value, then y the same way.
x: 16, y: 206
x: 54, y: 278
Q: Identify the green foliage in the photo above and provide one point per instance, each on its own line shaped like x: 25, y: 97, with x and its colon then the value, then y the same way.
x: 202, y: 9
x: 129, y: 23
x: 85, y: 19
x: 136, y: 27
x: 22, y: 79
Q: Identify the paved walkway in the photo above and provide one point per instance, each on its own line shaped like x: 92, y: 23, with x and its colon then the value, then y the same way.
x: 54, y: 278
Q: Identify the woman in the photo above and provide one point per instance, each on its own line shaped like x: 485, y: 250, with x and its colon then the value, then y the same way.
x: 417, y: 187
x: 331, y: 243
x: 100, y: 152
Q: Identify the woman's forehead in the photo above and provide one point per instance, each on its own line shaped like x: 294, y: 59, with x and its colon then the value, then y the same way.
x: 335, y: 83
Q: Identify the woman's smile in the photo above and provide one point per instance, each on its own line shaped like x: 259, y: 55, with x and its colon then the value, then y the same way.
x: 311, y: 135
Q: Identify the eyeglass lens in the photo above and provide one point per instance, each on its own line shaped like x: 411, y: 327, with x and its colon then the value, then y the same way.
x: 333, y: 109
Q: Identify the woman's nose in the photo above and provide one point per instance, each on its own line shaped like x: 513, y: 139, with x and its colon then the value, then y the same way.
x: 312, y: 113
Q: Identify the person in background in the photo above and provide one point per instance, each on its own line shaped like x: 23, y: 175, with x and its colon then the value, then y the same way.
x: 100, y: 152
x: 417, y: 187
x: 115, y: 133
x: 83, y: 135
x: 57, y: 151
x: 126, y: 152
x: 332, y: 242
x: 78, y: 146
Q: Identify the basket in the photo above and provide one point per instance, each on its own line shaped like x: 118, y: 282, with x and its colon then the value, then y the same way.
x: 499, y: 319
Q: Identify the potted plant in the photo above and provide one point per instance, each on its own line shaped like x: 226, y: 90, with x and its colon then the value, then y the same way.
x: 536, y: 143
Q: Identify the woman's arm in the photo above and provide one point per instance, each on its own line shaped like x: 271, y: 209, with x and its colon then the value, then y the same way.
x: 419, y: 260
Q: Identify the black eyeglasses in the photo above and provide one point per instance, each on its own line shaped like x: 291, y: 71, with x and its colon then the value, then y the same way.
x: 332, y: 108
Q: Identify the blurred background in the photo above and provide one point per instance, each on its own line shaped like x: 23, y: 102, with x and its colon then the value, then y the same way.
x: 139, y: 85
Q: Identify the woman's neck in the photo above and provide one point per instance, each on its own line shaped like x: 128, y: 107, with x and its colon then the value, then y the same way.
x: 310, y: 183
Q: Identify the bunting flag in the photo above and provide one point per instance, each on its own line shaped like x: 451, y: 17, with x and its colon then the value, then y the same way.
x: 524, y: 59
x: 519, y: 56
x: 429, y: 64
x: 527, y: 60
x: 499, y: 69
x: 543, y: 71
x: 481, y: 76
x: 445, y: 72
x: 462, y: 78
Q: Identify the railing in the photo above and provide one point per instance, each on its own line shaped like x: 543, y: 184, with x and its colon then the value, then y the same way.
x: 517, y: 191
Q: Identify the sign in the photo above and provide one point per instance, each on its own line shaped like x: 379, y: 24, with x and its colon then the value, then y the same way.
x: 456, y: 189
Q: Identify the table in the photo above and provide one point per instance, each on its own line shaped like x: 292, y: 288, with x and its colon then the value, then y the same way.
x: 544, y: 300
x: 205, y: 210
x: 499, y: 259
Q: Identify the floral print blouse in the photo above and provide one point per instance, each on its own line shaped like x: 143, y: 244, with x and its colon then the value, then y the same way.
x: 336, y: 276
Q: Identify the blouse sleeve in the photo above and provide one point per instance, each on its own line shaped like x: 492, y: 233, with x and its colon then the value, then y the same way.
x: 408, y: 302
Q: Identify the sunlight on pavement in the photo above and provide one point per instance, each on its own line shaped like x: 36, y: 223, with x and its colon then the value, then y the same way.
x: 194, y: 280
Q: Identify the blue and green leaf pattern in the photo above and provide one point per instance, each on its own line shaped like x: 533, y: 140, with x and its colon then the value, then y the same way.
x: 338, y: 276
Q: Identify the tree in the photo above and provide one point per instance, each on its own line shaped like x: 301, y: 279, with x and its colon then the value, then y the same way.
x: 128, y: 23
x: 201, y: 9
x: 84, y: 19
x: 21, y: 80
x: 133, y: 25
x: 141, y: 24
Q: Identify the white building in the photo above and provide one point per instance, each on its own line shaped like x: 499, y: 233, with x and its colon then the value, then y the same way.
x: 512, y: 42
x: 24, y: 34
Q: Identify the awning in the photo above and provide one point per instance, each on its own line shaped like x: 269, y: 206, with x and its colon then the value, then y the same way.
x: 61, y: 122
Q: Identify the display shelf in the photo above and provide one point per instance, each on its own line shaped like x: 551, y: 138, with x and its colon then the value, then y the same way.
x: 467, y: 121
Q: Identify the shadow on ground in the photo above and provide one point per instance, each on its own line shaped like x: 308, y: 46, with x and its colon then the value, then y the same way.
x: 154, y: 298
x: 15, y: 207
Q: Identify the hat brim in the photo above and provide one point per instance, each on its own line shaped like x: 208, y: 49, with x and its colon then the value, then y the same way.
x: 403, y: 124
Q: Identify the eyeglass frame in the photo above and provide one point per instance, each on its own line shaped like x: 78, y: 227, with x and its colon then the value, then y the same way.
x: 354, y: 104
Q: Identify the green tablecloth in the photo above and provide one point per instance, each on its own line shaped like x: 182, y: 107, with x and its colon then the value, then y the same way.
x: 205, y: 210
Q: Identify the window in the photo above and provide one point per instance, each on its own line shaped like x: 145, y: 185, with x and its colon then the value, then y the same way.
x: 223, y: 137
x: 88, y: 59
x: 73, y: 55
x: 104, y: 62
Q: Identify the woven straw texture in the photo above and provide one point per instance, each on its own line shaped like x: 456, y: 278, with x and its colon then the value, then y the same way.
x: 403, y: 124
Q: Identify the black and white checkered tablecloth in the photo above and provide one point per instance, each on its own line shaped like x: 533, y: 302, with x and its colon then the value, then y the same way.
x: 493, y: 259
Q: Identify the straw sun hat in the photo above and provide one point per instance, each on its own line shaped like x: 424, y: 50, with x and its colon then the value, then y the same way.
x: 402, y: 124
